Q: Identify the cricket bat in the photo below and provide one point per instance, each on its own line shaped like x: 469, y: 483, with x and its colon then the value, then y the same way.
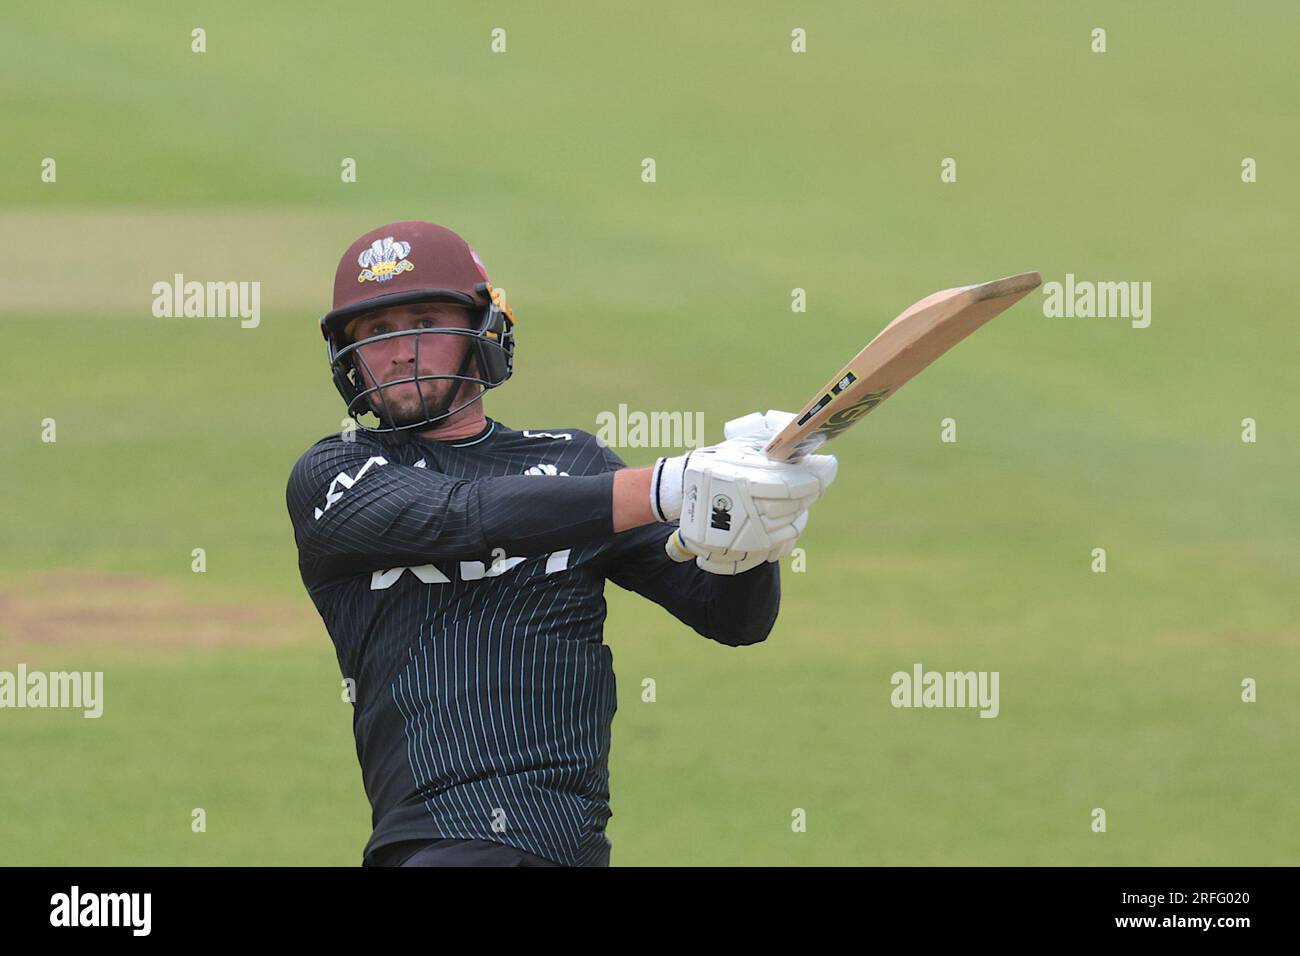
x: 903, y: 349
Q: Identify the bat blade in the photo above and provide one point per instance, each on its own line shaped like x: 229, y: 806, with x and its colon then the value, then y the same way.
x: 904, y: 348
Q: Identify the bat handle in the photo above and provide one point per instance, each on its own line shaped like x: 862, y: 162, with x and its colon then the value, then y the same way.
x: 676, y: 548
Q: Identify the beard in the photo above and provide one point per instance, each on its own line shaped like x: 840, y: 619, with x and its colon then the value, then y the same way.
x: 400, y: 405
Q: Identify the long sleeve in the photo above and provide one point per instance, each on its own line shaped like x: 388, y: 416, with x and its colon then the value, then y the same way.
x: 731, y: 609
x: 347, y: 499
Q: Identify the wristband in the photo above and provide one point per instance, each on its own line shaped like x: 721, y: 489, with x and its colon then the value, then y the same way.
x: 666, y: 487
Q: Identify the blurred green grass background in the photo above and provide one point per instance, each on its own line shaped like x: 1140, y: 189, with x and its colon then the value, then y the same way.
x: 775, y: 171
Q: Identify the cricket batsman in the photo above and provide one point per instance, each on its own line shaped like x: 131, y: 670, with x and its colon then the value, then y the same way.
x: 459, y: 565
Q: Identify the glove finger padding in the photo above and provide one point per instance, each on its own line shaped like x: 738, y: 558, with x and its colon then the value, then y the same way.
x: 788, y: 530
x: 774, y: 508
x: 825, y: 467
x: 807, y: 477
x: 738, y: 562
x: 757, y: 428
x: 730, y: 562
x: 782, y: 551
x: 726, y: 561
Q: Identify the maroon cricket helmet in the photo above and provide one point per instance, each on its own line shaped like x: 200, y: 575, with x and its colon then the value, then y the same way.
x: 403, y: 263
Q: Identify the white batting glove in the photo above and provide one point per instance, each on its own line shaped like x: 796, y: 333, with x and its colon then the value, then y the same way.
x: 808, y: 477
x: 737, y: 499
x: 754, y: 508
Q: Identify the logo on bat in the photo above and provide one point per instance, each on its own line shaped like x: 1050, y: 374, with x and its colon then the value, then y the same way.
x: 841, y: 419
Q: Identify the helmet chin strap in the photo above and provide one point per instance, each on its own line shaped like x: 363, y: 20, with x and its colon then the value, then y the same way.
x: 460, y: 380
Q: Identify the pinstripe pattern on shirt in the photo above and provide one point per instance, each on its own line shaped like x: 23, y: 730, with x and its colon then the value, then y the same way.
x: 465, y: 599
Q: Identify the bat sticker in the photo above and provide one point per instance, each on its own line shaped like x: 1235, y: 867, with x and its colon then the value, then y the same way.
x: 848, y: 379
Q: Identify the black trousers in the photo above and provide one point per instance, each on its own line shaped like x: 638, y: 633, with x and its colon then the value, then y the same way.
x: 453, y: 853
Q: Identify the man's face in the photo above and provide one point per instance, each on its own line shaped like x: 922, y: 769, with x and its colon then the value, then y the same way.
x: 387, y: 360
